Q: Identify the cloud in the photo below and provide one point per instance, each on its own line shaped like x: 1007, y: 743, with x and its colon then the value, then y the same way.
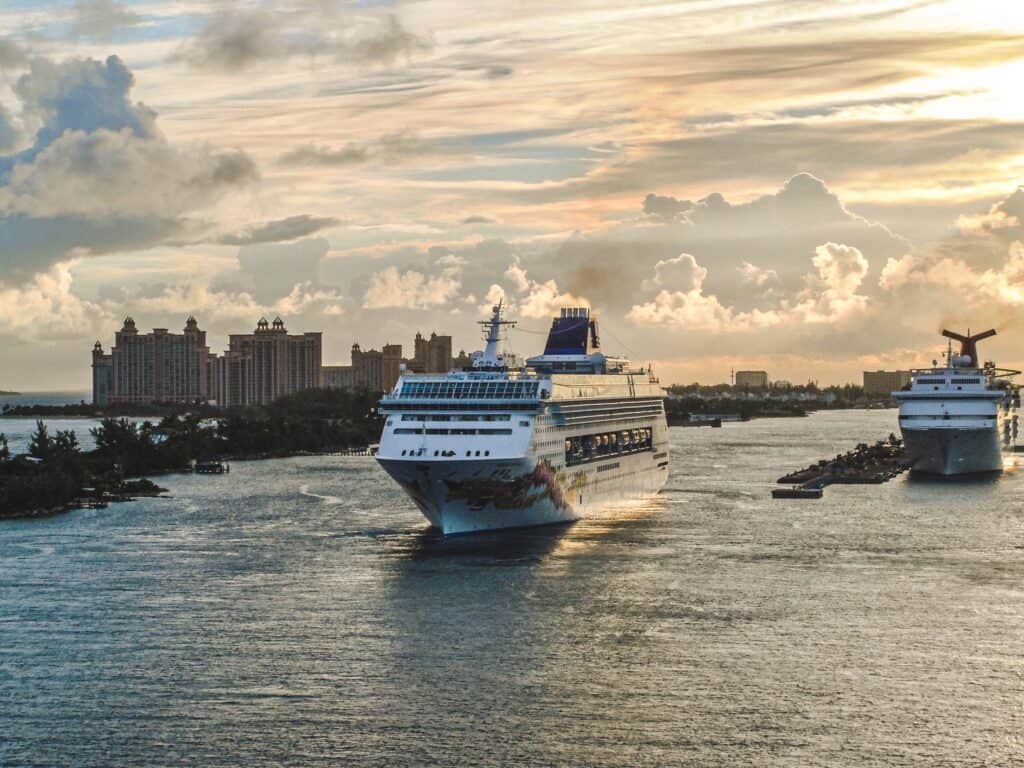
x: 45, y: 308
x: 267, y: 270
x: 769, y: 236
x: 413, y: 289
x: 386, y: 150
x: 665, y: 206
x: 290, y: 228
x: 100, y: 19
x: 99, y: 176
x: 12, y: 55
x: 234, y: 40
x: 830, y: 296
x: 479, y: 219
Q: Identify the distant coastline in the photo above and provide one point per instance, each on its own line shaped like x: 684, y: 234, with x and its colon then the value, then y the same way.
x: 7, y: 393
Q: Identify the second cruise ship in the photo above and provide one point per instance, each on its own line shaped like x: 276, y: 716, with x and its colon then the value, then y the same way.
x: 489, y: 448
x: 959, y: 418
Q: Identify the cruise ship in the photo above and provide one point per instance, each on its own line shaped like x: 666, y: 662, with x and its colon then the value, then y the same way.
x: 489, y: 447
x: 959, y: 418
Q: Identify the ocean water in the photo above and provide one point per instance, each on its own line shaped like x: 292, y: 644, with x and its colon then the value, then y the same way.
x: 19, y: 431
x: 299, y: 613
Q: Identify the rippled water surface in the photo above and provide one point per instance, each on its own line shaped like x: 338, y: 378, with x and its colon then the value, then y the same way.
x: 297, y: 612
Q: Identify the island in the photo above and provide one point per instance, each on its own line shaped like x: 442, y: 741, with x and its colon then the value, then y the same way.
x: 56, y: 475
x: 4, y: 392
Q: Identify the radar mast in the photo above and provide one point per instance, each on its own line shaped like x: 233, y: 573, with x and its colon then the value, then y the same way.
x: 493, y: 335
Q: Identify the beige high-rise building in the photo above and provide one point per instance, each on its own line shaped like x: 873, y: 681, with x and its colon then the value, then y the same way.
x: 376, y: 370
x: 883, y: 383
x: 752, y: 379
x: 433, y: 355
x: 269, y: 363
x: 156, y: 367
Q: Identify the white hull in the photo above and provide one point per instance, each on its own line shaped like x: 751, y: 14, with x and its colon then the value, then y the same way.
x: 486, y: 495
x: 954, y: 451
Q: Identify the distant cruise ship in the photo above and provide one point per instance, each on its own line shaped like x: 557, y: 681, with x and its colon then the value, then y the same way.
x: 959, y: 418
x: 490, y: 448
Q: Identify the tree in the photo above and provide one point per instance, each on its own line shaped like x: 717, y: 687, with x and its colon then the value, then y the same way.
x: 41, y: 445
x: 65, y: 444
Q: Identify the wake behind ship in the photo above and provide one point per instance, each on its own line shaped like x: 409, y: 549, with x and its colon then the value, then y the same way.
x: 489, y: 448
x: 960, y: 418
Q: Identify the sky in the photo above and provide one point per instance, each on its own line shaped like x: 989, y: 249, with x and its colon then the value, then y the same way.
x: 814, y: 188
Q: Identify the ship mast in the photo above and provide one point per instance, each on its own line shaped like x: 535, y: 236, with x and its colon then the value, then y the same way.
x: 493, y: 335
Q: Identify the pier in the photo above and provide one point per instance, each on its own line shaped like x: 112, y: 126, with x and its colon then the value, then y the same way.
x: 865, y: 464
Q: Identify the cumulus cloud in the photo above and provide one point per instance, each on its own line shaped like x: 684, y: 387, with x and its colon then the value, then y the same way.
x: 99, y: 176
x: 830, y: 295
x: 45, y: 308
x: 766, y: 239
x: 413, y: 289
x: 681, y: 302
x: 236, y: 39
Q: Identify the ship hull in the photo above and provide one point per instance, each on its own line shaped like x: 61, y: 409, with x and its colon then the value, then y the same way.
x: 954, y: 451
x: 473, y: 496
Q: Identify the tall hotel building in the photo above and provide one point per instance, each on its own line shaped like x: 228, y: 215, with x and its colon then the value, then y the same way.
x: 262, y: 366
x: 163, y: 367
x: 157, y: 367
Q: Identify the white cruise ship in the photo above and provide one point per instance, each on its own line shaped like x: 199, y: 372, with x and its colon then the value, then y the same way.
x: 959, y: 418
x: 489, y: 448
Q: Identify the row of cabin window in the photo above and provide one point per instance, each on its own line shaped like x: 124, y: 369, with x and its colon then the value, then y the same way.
x: 414, y: 452
x: 408, y: 431
x: 513, y: 390
x: 456, y: 417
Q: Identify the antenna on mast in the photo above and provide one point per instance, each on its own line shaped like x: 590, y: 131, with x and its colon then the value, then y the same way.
x: 493, y: 335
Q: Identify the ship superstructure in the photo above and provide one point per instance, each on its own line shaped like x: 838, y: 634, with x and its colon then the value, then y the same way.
x: 959, y: 418
x: 488, y: 448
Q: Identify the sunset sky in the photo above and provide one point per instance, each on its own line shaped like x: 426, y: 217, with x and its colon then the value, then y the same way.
x: 811, y: 187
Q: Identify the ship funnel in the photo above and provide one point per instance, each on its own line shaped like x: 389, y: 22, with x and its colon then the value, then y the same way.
x: 969, y: 343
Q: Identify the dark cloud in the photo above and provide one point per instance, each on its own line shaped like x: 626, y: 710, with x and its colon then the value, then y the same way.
x: 100, y: 19
x: 11, y: 54
x: 477, y: 219
x: 236, y: 39
x: 665, y: 206
x: 291, y: 228
x: 777, y: 232
x: 311, y: 154
x: 270, y: 270
x: 79, y: 95
x: 498, y: 71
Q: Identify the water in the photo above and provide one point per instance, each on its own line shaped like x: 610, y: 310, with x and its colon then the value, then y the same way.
x: 297, y: 613
x: 19, y: 431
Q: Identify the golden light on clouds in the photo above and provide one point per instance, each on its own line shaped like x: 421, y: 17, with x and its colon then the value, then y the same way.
x: 586, y: 143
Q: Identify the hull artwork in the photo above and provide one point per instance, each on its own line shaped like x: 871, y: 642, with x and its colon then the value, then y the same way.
x: 465, y: 497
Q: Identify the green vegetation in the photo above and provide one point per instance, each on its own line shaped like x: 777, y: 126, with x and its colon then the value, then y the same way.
x: 56, y: 473
x: 721, y: 399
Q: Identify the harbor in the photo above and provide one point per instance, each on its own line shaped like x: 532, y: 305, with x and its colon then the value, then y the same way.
x: 864, y: 465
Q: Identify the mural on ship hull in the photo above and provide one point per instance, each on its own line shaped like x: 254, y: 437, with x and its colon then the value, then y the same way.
x: 506, y: 492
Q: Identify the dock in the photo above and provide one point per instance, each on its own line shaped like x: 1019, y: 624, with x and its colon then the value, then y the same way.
x: 865, y: 464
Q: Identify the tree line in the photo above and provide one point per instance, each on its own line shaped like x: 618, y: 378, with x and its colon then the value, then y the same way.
x: 56, y: 472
